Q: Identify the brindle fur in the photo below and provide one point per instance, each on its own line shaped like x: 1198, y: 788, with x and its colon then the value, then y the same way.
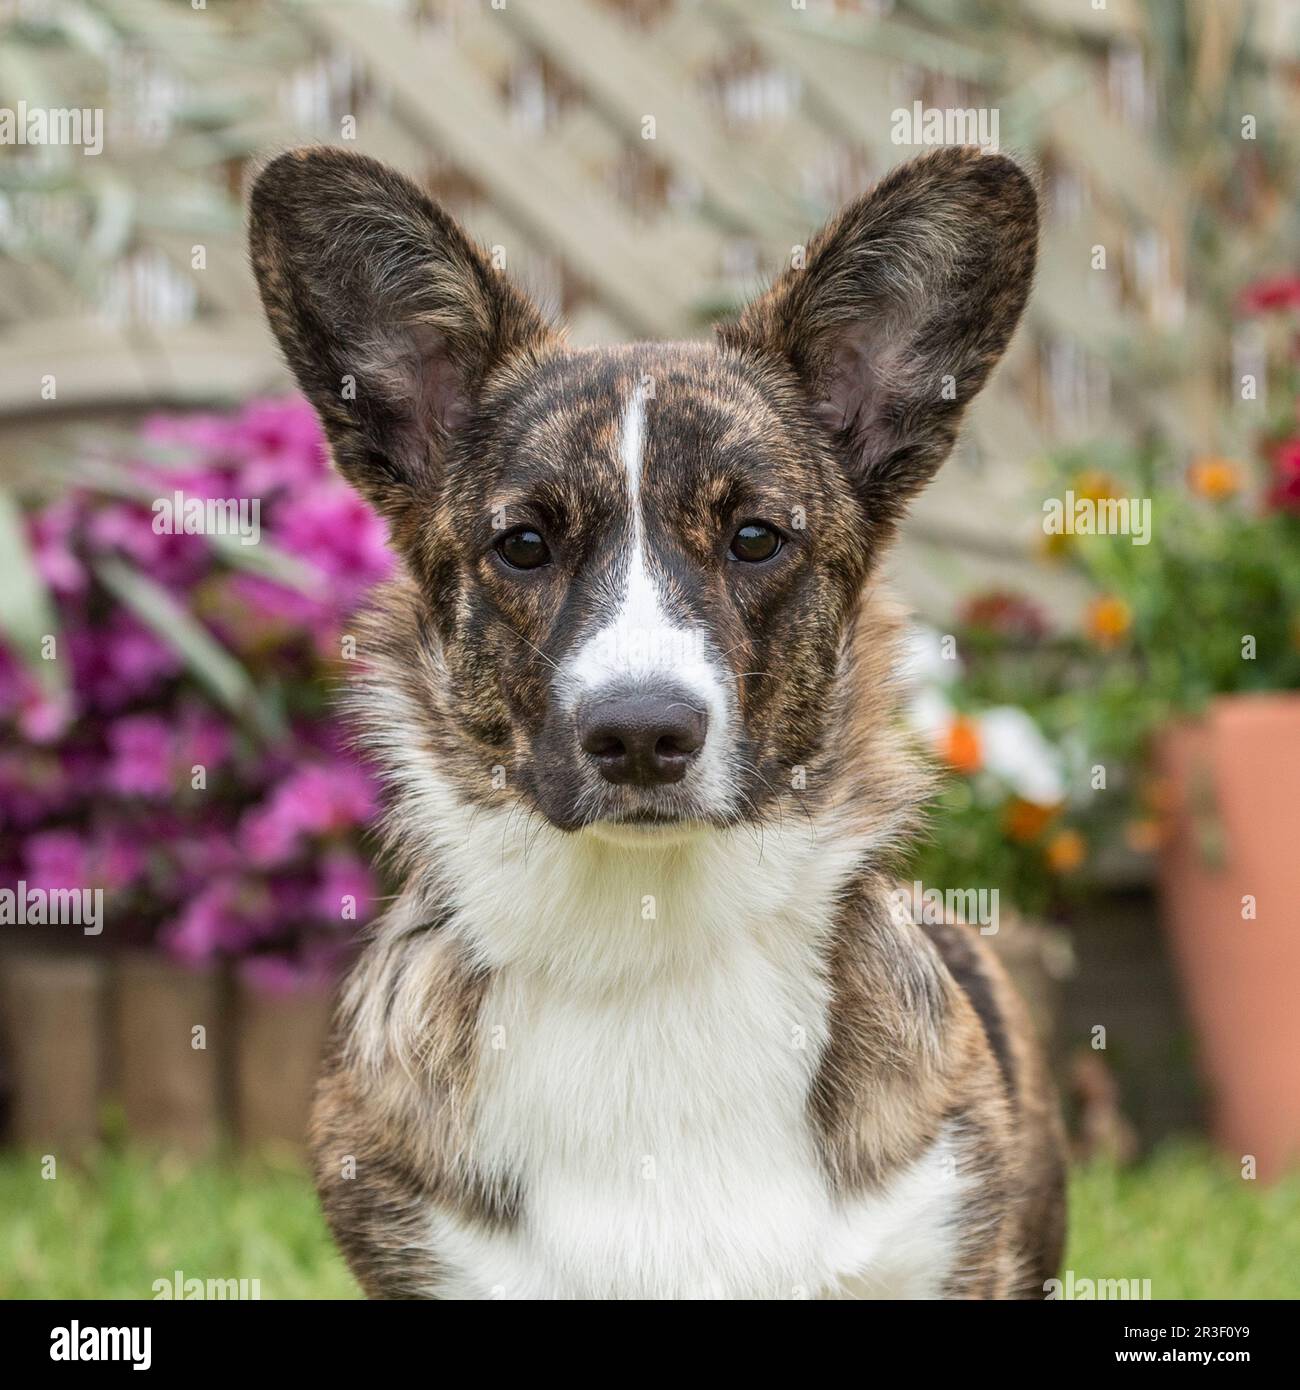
x: 453, y: 407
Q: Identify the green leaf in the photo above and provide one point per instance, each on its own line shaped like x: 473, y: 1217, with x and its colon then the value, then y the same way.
x: 213, y: 666
x: 27, y: 614
x: 269, y: 562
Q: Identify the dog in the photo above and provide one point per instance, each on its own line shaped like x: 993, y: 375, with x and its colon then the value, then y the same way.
x: 641, y: 1022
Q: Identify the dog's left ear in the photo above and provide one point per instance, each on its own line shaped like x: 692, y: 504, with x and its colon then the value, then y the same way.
x: 901, y: 308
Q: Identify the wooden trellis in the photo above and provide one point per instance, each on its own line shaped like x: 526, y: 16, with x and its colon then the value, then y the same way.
x: 643, y: 165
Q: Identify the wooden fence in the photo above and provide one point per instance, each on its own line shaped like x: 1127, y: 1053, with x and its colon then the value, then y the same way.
x: 643, y: 164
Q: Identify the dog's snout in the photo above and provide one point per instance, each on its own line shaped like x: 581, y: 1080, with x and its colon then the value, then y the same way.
x: 642, y: 739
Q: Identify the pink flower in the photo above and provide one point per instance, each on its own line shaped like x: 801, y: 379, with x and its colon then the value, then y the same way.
x: 334, y: 530
x: 265, y: 606
x: 280, y: 444
x: 1275, y: 292
x: 119, y: 860
x: 51, y: 531
x: 141, y: 757
x: 202, y: 738
x: 313, y: 800
x: 210, y: 924
x: 206, y: 433
x: 173, y: 559
x: 346, y: 890
x: 56, y: 859
x: 45, y: 717
x: 120, y: 661
x: 1285, y: 492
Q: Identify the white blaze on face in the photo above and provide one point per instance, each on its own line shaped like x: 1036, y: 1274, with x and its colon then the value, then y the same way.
x: 639, y: 646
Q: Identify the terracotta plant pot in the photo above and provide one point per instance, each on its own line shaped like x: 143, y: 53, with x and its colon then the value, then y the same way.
x: 1230, y: 894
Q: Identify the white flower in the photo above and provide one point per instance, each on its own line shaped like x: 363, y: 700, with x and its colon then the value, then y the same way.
x: 924, y: 662
x: 1015, y: 749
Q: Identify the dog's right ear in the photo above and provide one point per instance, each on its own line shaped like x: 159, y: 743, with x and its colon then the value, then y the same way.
x: 388, y: 316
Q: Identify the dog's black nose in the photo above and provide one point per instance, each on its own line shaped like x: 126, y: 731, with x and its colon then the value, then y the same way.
x: 642, y: 740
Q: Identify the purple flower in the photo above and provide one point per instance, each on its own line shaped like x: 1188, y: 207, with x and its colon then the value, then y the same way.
x: 120, y: 661
x: 140, y: 762
x: 281, y: 445
x: 332, y: 528
x: 51, y: 530
x: 56, y: 859
x: 313, y: 800
x: 211, y: 924
x: 202, y: 738
x: 346, y: 887
x: 119, y: 860
x: 262, y: 863
x: 44, y: 718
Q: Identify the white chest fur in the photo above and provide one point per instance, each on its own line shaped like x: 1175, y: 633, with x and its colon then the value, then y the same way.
x: 664, y: 1151
x: 645, y: 1081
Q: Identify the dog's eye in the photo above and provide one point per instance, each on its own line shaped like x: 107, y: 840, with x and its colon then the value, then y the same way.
x: 755, y: 541
x: 523, y: 550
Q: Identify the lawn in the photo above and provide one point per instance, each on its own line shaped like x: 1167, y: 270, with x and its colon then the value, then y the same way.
x: 1184, y: 1220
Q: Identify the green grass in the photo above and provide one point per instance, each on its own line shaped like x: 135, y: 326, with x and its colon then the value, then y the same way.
x: 1191, y: 1224
x: 108, y: 1228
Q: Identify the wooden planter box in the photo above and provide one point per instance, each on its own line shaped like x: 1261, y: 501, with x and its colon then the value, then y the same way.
x: 171, y: 1048
x: 191, y: 1057
x: 52, y: 1029
x: 278, y: 1049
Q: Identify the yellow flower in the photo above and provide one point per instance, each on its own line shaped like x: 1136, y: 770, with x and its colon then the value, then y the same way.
x: 1107, y: 620
x: 1054, y: 544
x: 1215, y: 478
x: 1095, y: 486
x: 1066, y: 850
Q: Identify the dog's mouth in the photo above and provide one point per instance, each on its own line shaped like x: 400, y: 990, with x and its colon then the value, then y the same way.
x: 640, y: 830
x: 648, y: 816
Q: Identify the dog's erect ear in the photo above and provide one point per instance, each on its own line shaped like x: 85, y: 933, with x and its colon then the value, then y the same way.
x: 902, y: 306
x: 388, y: 316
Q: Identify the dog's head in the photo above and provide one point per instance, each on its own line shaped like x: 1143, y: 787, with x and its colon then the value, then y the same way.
x: 632, y: 572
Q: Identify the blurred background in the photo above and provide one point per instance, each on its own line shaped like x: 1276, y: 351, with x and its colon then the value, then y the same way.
x: 1113, y: 702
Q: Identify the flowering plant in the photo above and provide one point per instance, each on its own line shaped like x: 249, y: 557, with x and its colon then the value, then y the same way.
x: 166, y: 732
x: 991, y: 702
x: 1209, y: 604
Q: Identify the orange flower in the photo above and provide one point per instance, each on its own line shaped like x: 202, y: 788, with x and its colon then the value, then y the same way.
x: 1107, y: 620
x: 1066, y: 850
x: 961, y: 745
x: 1026, y: 820
x: 1215, y: 478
